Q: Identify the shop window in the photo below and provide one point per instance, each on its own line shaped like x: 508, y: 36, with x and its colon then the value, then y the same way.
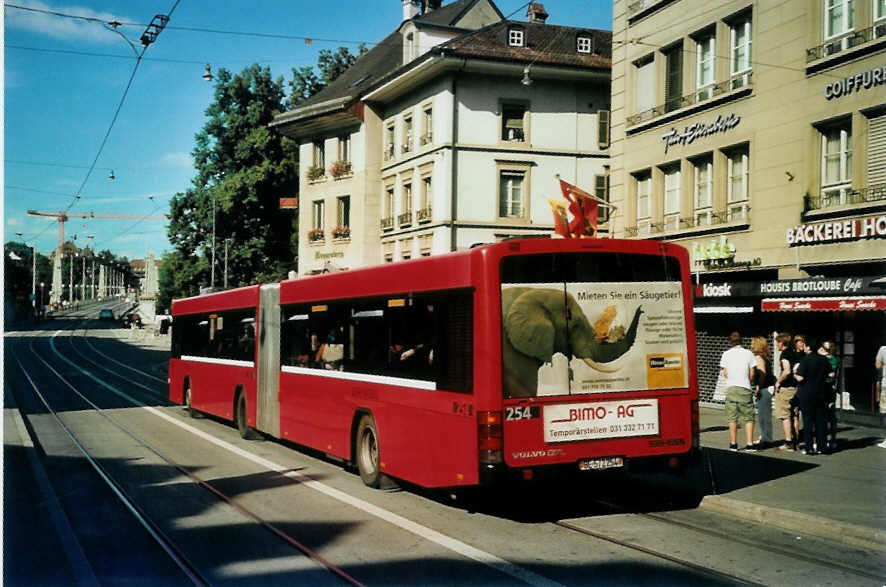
x: 836, y: 163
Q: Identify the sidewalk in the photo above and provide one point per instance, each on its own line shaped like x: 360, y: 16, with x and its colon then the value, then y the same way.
x: 841, y: 496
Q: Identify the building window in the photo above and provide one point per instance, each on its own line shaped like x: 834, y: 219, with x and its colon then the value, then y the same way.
x: 407, y: 134
x: 601, y: 190
x: 879, y: 10
x: 737, y: 177
x: 839, y: 17
x: 344, y: 148
x: 703, y: 190
x: 740, y: 49
x: 603, y: 129
x: 673, y: 78
x: 515, y: 37
x: 389, y: 142
x: 343, y: 217
x: 644, y: 191
x: 877, y: 154
x: 427, y: 196
x: 405, y: 218
x: 672, y: 197
x: 406, y: 249
x: 387, y: 220
x: 512, y: 123
x: 318, y: 211
x: 645, y: 84
x: 410, y: 47
x: 319, y: 154
x: 424, y: 245
x: 510, y: 195
x: 836, y: 163
x: 388, y: 252
x: 583, y: 44
x: 427, y: 125
x: 704, y: 72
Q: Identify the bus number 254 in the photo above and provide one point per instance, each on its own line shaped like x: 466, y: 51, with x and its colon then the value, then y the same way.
x: 521, y: 412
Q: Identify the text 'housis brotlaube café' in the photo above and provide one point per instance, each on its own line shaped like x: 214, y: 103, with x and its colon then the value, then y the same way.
x: 846, y: 304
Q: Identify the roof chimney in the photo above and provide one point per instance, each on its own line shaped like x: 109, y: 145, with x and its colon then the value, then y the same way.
x: 536, y: 12
x: 430, y: 5
x: 410, y: 9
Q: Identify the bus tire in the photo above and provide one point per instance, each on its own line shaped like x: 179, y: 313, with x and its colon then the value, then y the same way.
x: 368, y: 462
x: 191, y: 411
x: 240, y: 418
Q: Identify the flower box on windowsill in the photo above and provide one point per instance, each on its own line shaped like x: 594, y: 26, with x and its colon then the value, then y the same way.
x: 316, y: 236
x: 340, y: 169
x: 341, y: 233
x: 316, y: 174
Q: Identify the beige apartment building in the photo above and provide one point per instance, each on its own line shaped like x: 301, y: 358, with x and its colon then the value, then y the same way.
x: 754, y: 134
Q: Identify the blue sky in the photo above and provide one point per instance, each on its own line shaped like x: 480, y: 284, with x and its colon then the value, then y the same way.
x: 64, y: 78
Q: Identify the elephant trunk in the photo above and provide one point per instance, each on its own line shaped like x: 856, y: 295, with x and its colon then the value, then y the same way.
x: 602, y: 352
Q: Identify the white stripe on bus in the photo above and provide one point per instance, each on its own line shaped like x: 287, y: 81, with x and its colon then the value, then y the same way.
x: 364, y: 377
x: 216, y: 361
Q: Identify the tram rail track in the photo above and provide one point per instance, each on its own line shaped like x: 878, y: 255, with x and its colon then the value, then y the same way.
x: 167, y: 544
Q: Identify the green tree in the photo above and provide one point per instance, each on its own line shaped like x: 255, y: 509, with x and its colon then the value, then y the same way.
x: 305, y: 81
x: 243, y: 169
x: 17, y: 265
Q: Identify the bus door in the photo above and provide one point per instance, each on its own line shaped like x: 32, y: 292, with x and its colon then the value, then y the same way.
x: 268, y: 372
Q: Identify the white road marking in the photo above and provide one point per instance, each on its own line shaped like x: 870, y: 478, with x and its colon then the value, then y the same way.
x: 429, y: 534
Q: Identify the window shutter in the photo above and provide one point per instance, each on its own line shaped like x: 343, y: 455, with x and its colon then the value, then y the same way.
x: 877, y: 151
x: 603, y: 129
x: 601, y: 190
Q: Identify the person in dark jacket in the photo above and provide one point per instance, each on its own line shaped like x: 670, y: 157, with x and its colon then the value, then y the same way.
x: 812, y: 374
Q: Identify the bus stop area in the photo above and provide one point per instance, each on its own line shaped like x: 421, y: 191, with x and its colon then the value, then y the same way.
x: 838, y: 496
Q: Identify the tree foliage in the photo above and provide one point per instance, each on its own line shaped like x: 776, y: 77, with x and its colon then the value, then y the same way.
x: 17, y: 265
x: 243, y: 169
x: 305, y: 81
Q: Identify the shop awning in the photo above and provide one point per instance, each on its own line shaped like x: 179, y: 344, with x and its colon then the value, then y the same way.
x: 848, y: 303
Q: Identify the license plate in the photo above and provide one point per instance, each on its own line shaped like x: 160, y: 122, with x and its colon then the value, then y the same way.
x: 601, y: 463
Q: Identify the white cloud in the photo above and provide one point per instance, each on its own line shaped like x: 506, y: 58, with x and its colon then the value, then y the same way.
x: 13, y: 222
x: 61, y: 27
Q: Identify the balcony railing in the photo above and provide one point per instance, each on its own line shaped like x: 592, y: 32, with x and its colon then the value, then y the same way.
x: 426, y: 139
x: 834, y: 197
x: 704, y: 219
x: 404, y: 219
x: 387, y: 223
x: 735, y: 82
x: 406, y: 147
x: 425, y: 214
x: 389, y: 152
x: 846, y: 42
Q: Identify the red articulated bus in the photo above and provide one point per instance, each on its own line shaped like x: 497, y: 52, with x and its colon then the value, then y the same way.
x: 459, y: 369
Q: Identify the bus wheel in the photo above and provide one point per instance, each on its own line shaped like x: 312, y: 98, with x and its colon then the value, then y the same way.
x: 191, y: 411
x: 246, y: 432
x: 367, y: 451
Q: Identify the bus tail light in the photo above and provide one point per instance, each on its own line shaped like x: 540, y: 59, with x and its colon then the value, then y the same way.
x: 694, y: 418
x: 490, y: 440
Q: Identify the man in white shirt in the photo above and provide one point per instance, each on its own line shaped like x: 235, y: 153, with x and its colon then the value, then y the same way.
x: 737, y: 367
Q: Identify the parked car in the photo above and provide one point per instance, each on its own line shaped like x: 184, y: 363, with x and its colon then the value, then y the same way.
x: 106, y: 314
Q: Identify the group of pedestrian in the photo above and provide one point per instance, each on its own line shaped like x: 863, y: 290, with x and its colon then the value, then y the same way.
x: 805, y: 387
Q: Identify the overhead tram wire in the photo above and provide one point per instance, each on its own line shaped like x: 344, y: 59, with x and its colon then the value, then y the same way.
x: 77, y: 197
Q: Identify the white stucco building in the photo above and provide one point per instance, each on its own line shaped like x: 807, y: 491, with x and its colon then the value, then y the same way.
x: 450, y: 132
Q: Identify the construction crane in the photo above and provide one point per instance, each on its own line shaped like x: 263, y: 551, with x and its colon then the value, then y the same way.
x: 63, y: 217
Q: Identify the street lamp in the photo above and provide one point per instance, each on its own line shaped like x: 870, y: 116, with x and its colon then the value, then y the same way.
x: 42, y: 299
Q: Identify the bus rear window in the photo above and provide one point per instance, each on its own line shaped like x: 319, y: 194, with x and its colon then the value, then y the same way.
x: 584, y: 323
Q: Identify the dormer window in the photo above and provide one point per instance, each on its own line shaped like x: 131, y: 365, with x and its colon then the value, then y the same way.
x: 583, y: 44
x: 515, y: 37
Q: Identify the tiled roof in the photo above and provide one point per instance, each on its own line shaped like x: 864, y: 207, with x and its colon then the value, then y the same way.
x: 385, y: 57
x: 542, y: 43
